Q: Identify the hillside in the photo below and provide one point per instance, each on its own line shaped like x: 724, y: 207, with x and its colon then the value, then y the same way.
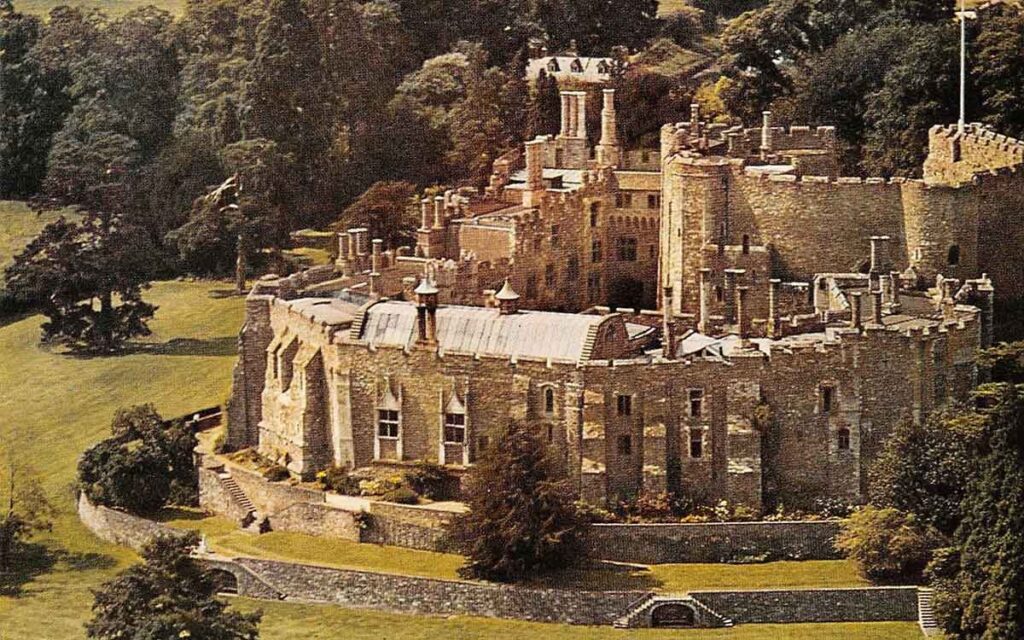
x: 110, y: 7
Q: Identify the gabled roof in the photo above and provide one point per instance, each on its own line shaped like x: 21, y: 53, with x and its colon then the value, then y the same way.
x: 479, y: 330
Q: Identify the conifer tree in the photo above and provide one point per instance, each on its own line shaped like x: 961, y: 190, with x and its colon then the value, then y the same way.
x: 984, y: 599
x: 522, y: 520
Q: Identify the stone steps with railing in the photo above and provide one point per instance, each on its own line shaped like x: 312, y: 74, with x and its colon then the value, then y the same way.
x: 926, y: 612
x: 633, y: 617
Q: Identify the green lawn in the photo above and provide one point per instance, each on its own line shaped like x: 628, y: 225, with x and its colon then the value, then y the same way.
x: 52, y: 407
x: 18, y: 225
x: 110, y: 7
x: 223, y: 536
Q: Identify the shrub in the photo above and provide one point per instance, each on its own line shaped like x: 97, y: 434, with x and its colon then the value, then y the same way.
x: 888, y: 545
x: 401, y: 495
x: 276, y: 473
x: 337, y: 479
x: 131, y: 476
x: 380, y: 486
x: 431, y: 481
x: 594, y: 514
x: 652, y: 507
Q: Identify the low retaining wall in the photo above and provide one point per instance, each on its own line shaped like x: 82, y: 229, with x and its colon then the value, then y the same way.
x: 869, y: 604
x: 118, y: 527
x: 714, y: 541
x: 426, y: 596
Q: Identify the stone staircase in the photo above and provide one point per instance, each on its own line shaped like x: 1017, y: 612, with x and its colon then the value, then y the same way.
x: 231, y: 486
x: 635, y: 616
x: 638, y: 613
x: 710, y: 613
x: 926, y: 613
x: 589, y: 342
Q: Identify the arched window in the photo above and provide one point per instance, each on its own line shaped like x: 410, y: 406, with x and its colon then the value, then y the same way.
x: 553, y: 66
x: 843, y: 439
x: 746, y: 244
x: 718, y: 294
x: 953, y: 257
x: 576, y: 66
x: 549, y: 400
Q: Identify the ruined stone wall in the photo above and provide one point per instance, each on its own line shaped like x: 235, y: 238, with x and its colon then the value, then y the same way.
x: 868, y: 604
x: 714, y: 542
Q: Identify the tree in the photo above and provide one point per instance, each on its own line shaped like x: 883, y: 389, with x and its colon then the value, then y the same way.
x: 146, y: 464
x: 980, y: 597
x: 24, y: 509
x: 918, y: 91
x: 1004, y: 362
x: 998, y: 73
x: 168, y: 595
x: 480, y: 126
x: 545, y: 107
x: 32, y: 105
x: 387, y: 209
x: 888, y: 545
x: 87, y: 277
x: 521, y: 520
x: 924, y: 468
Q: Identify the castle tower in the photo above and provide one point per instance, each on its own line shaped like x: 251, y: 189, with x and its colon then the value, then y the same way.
x: 694, y: 214
x: 534, y: 193
x: 571, y: 150
x: 608, y: 150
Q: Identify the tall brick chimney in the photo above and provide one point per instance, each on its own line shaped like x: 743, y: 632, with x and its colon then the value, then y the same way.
x: 426, y: 311
x: 534, y: 172
x: 608, y: 152
x: 742, y: 319
x: 703, y: 320
x: 767, y: 145
x: 773, y: 307
x: 668, y: 324
x: 856, y: 308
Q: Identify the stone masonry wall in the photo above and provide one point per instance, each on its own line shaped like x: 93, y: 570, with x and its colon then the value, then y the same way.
x: 118, y: 527
x: 713, y: 542
x: 870, y: 604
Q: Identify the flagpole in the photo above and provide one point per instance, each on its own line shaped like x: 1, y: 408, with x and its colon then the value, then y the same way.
x: 963, y: 67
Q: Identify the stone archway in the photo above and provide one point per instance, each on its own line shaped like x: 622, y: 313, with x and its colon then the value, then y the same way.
x: 673, y: 614
x: 226, y: 581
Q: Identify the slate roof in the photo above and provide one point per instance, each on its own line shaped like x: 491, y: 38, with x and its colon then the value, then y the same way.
x: 484, y: 331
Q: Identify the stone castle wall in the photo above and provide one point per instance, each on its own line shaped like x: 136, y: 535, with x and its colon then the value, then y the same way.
x: 713, y: 541
x: 869, y: 604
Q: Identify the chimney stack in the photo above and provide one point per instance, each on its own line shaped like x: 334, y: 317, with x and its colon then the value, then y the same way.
x: 564, y: 132
x: 766, y: 132
x: 426, y: 311
x: 703, y: 320
x: 695, y: 121
x: 581, y: 114
x: 668, y: 324
x: 438, y: 212
x: 534, y: 172
x: 742, y: 321
x: 773, y: 307
x: 608, y: 148
x: 878, y: 261
x: 894, y: 287
x: 425, y: 213
x: 731, y: 278
x: 856, y: 308
x: 876, y: 306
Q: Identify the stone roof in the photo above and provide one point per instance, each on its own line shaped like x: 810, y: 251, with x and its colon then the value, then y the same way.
x: 329, y: 311
x: 484, y: 331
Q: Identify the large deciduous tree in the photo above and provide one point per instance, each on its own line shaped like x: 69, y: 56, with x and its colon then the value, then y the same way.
x: 522, y: 521
x: 168, y: 595
x: 387, y: 209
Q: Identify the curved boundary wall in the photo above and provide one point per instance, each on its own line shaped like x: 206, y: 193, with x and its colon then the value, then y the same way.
x: 275, y: 580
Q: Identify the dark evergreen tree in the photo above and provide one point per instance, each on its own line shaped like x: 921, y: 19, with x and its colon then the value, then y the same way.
x: 924, y: 468
x: 545, y: 107
x: 997, y: 70
x: 168, y: 595
x: 522, y: 521
x: 984, y: 598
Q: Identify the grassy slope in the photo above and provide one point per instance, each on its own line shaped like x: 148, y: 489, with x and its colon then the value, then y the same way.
x: 110, y: 7
x: 53, y: 406
x: 18, y: 225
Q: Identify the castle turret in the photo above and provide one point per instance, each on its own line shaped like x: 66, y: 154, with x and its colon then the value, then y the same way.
x: 507, y: 299
x: 426, y: 311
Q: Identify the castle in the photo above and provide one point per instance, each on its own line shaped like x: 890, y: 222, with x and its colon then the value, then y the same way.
x: 803, y: 315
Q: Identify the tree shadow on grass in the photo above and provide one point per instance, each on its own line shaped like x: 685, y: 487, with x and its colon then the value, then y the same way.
x: 34, y: 559
x: 223, y: 346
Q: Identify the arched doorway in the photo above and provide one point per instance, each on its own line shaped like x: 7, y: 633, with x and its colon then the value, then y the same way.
x: 227, y: 583
x: 672, y: 614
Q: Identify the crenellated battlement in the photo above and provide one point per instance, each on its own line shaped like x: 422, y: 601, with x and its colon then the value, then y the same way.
x: 955, y: 158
